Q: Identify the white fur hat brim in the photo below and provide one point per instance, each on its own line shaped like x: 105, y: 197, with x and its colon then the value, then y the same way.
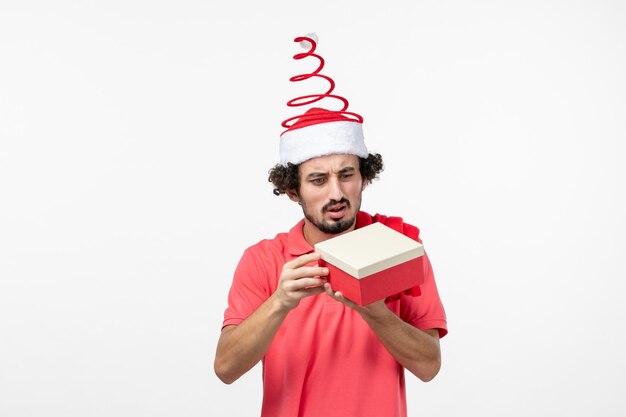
x: 340, y: 137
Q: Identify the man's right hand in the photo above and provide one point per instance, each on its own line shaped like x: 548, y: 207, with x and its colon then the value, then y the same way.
x: 241, y: 346
x: 298, y: 281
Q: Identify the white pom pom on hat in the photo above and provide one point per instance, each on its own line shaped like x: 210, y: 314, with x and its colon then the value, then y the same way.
x: 307, y: 45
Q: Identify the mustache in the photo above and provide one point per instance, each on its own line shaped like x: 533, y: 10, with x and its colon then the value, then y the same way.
x: 334, y: 203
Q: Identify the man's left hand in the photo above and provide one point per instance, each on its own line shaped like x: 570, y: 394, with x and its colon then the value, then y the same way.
x: 372, y: 310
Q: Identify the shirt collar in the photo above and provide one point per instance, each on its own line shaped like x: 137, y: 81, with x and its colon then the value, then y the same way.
x: 296, y: 242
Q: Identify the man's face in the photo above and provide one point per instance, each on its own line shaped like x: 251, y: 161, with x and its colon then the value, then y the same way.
x: 330, y: 192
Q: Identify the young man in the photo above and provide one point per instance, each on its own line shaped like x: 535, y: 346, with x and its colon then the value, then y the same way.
x: 322, y: 354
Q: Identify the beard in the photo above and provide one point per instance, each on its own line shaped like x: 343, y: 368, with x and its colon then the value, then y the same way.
x: 332, y: 227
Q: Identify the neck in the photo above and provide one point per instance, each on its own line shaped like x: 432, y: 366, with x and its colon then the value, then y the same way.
x: 313, y: 235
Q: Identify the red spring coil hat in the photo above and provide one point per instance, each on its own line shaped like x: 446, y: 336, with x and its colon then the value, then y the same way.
x: 318, y: 132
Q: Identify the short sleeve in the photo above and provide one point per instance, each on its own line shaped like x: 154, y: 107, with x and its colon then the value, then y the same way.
x: 248, y: 291
x: 426, y: 311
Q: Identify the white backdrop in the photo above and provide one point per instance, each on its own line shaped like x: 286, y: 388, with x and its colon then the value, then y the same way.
x: 135, y: 139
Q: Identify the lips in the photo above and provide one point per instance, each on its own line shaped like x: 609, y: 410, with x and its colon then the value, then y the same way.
x: 336, y: 207
x: 337, y: 211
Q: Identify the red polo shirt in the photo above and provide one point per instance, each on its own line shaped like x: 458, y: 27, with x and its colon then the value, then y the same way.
x: 325, y: 361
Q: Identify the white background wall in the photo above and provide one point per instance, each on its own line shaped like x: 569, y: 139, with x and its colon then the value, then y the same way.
x: 135, y: 139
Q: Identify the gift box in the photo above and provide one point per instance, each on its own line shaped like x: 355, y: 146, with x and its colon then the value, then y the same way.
x: 372, y: 263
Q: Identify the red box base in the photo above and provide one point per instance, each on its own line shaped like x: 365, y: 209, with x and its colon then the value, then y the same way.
x: 376, y: 286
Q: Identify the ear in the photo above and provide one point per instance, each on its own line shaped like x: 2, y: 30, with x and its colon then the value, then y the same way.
x: 364, y: 185
x: 293, y: 196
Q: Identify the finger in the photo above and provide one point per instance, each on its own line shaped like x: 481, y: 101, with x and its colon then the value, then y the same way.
x: 303, y: 260
x: 304, y: 283
x: 307, y: 271
x: 340, y: 297
x: 328, y: 289
x: 309, y: 292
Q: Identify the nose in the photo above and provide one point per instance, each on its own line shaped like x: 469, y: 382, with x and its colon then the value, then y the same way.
x: 334, y: 189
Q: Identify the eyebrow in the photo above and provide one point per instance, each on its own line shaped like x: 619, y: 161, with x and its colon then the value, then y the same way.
x: 346, y: 170
x: 323, y: 174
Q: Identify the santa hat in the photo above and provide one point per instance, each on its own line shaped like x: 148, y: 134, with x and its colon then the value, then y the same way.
x: 319, y: 131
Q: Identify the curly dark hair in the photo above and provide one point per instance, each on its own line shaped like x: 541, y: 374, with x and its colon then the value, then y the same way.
x: 288, y: 177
